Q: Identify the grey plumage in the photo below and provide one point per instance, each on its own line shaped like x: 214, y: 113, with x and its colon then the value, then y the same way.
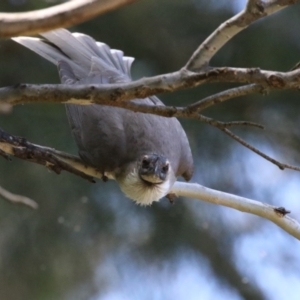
x: 114, y: 140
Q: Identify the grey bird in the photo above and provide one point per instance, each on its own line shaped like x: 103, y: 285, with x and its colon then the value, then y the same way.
x: 144, y: 153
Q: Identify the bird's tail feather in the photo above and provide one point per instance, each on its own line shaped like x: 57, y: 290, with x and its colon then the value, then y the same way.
x: 79, y: 51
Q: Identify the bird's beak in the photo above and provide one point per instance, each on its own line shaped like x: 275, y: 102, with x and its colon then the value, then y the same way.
x: 152, y: 170
x: 153, y: 177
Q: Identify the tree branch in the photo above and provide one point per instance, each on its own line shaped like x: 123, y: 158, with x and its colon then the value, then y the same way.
x: 280, y: 165
x: 21, y: 148
x: 272, y: 213
x: 17, y: 199
x: 227, y: 95
x: 254, y: 10
x: 52, y: 159
x: 118, y: 95
x: 113, y: 94
x: 63, y: 15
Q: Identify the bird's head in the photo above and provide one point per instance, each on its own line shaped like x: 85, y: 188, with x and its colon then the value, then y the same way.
x: 148, y: 179
x: 153, y: 169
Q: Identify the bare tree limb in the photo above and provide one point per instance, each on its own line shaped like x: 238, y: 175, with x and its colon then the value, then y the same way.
x: 63, y: 15
x: 113, y: 94
x: 194, y: 190
x: 254, y: 10
x: 17, y: 199
x: 21, y: 148
x: 227, y: 95
x: 52, y: 159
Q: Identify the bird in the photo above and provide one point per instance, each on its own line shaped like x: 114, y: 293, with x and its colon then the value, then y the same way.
x: 144, y: 153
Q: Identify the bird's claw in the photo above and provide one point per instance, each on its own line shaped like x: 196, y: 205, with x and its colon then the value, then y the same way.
x: 171, y: 197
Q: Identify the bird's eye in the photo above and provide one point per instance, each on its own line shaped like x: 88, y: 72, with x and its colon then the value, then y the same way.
x: 165, y: 168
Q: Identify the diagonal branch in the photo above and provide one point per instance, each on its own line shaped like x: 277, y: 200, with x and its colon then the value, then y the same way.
x: 272, y: 213
x: 226, y: 95
x: 113, y: 94
x: 254, y: 10
x: 62, y: 15
x: 52, y: 159
x: 280, y: 165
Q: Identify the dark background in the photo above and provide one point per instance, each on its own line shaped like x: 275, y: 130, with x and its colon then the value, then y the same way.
x: 87, y: 241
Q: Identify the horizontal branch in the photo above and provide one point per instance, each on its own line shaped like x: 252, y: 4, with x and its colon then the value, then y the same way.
x: 114, y: 94
x: 62, y: 15
x: 58, y: 161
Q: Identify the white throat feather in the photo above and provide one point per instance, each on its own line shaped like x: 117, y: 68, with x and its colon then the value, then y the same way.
x: 144, y: 193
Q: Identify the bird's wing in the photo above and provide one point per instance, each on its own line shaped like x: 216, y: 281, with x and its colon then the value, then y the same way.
x: 82, y: 60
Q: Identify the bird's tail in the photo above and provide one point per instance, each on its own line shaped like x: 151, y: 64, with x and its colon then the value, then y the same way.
x: 81, y: 52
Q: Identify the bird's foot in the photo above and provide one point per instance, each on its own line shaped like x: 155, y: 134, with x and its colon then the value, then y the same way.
x: 171, y: 197
x: 104, y: 178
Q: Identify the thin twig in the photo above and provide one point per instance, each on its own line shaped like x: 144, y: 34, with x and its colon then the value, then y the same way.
x: 224, y: 125
x: 242, y: 123
x: 18, y: 199
x: 280, y: 165
x: 226, y: 95
x: 62, y: 15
